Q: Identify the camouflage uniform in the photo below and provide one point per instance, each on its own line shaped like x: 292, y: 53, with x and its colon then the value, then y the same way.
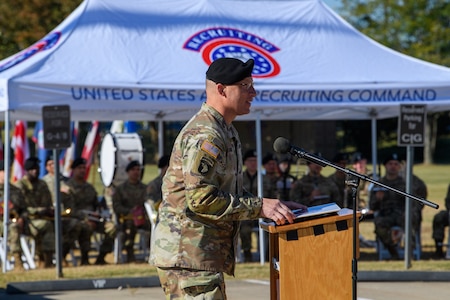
x: 203, y: 200
x: 344, y: 191
x: 127, y: 197
x: 440, y: 221
x: 70, y: 226
x: 389, y: 211
x: 39, y: 206
x: 302, y: 189
x: 18, y: 211
x: 83, y: 200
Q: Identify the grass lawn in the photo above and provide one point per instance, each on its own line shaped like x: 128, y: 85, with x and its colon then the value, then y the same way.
x: 435, y: 176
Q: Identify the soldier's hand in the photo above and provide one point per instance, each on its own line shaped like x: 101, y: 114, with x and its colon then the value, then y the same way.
x: 278, y: 211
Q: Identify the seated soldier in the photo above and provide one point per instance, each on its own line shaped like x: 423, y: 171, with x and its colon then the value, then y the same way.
x: 128, y: 204
x: 16, y: 206
x: 40, y: 212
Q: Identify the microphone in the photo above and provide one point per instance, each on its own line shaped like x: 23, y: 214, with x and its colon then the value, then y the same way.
x: 282, y: 145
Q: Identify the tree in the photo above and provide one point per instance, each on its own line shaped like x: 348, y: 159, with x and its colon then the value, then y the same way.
x: 417, y: 28
x: 24, y: 22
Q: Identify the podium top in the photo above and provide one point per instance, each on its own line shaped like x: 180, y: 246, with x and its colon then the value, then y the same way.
x: 342, y: 214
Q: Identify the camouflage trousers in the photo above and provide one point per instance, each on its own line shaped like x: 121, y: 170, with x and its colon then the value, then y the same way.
x: 109, y: 230
x: 189, y: 284
x: 14, y: 231
x: 43, y: 233
x: 383, y: 225
x: 440, y: 221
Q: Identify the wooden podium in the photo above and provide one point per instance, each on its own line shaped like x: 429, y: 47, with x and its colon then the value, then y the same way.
x: 312, y: 259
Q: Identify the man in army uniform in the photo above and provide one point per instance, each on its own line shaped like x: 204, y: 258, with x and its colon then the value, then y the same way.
x: 203, y: 200
x: 84, y: 207
x: 128, y: 204
x: 40, y: 211
x: 339, y: 177
x: 17, y: 212
x: 314, y: 188
x: 285, y: 180
x: 270, y: 176
x: 440, y: 221
x: 71, y: 226
x: 389, y: 206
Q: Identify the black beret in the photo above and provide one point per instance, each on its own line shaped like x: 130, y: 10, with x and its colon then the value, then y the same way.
x: 340, y: 157
x: 32, y: 163
x: 229, y: 70
x: 357, y: 156
x: 393, y: 156
x: 2, y: 165
x: 163, y: 161
x: 268, y: 157
x: 248, y: 154
x: 132, y: 164
x: 77, y: 162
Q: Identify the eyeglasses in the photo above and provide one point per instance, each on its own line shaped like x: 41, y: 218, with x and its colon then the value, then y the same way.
x: 247, y: 85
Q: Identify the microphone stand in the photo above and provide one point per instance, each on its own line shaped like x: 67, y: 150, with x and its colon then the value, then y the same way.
x: 352, y: 180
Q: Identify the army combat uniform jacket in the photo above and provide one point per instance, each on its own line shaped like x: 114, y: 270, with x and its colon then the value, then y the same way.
x: 202, y: 203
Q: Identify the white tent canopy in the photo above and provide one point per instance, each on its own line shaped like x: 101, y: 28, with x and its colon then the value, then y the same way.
x: 146, y: 60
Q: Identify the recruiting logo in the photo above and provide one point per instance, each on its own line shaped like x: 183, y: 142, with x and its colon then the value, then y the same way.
x: 46, y: 43
x: 214, y: 43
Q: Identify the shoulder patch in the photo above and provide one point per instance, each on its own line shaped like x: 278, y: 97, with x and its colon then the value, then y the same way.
x: 210, y: 148
x: 205, y: 165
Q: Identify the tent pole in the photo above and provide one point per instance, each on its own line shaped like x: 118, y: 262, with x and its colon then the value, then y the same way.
x: 260, y: 183
x: 160, y: 138
x: 373, y: 115
x: 6, y: 161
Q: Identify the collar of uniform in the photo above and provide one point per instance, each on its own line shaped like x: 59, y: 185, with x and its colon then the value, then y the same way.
x: 215, y: 114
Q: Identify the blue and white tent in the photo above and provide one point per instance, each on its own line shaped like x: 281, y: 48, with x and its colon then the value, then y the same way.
x: 146, y: 60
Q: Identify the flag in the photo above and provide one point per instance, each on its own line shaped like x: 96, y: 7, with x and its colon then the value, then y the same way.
x: 91, y: 142
x: 38, y: 139
x: 130, y: 126
x: 68, y: 155
x: 116, y: 126
x: 19, y: 143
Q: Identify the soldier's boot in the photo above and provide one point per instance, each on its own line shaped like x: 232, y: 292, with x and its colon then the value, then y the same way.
x: 101, y: 259
x: 18, y: 262
x: 41, y: 262
x: 48, y: 259
x: 439, y: 251
x: 84, y: 258
x: 130, y: 255
x: 393, y: 251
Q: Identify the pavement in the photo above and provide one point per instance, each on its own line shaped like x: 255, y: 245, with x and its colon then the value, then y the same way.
x: 371, y: 285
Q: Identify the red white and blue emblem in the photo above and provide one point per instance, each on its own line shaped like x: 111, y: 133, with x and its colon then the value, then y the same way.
x: 48, y: 42
x: 220, y: 42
